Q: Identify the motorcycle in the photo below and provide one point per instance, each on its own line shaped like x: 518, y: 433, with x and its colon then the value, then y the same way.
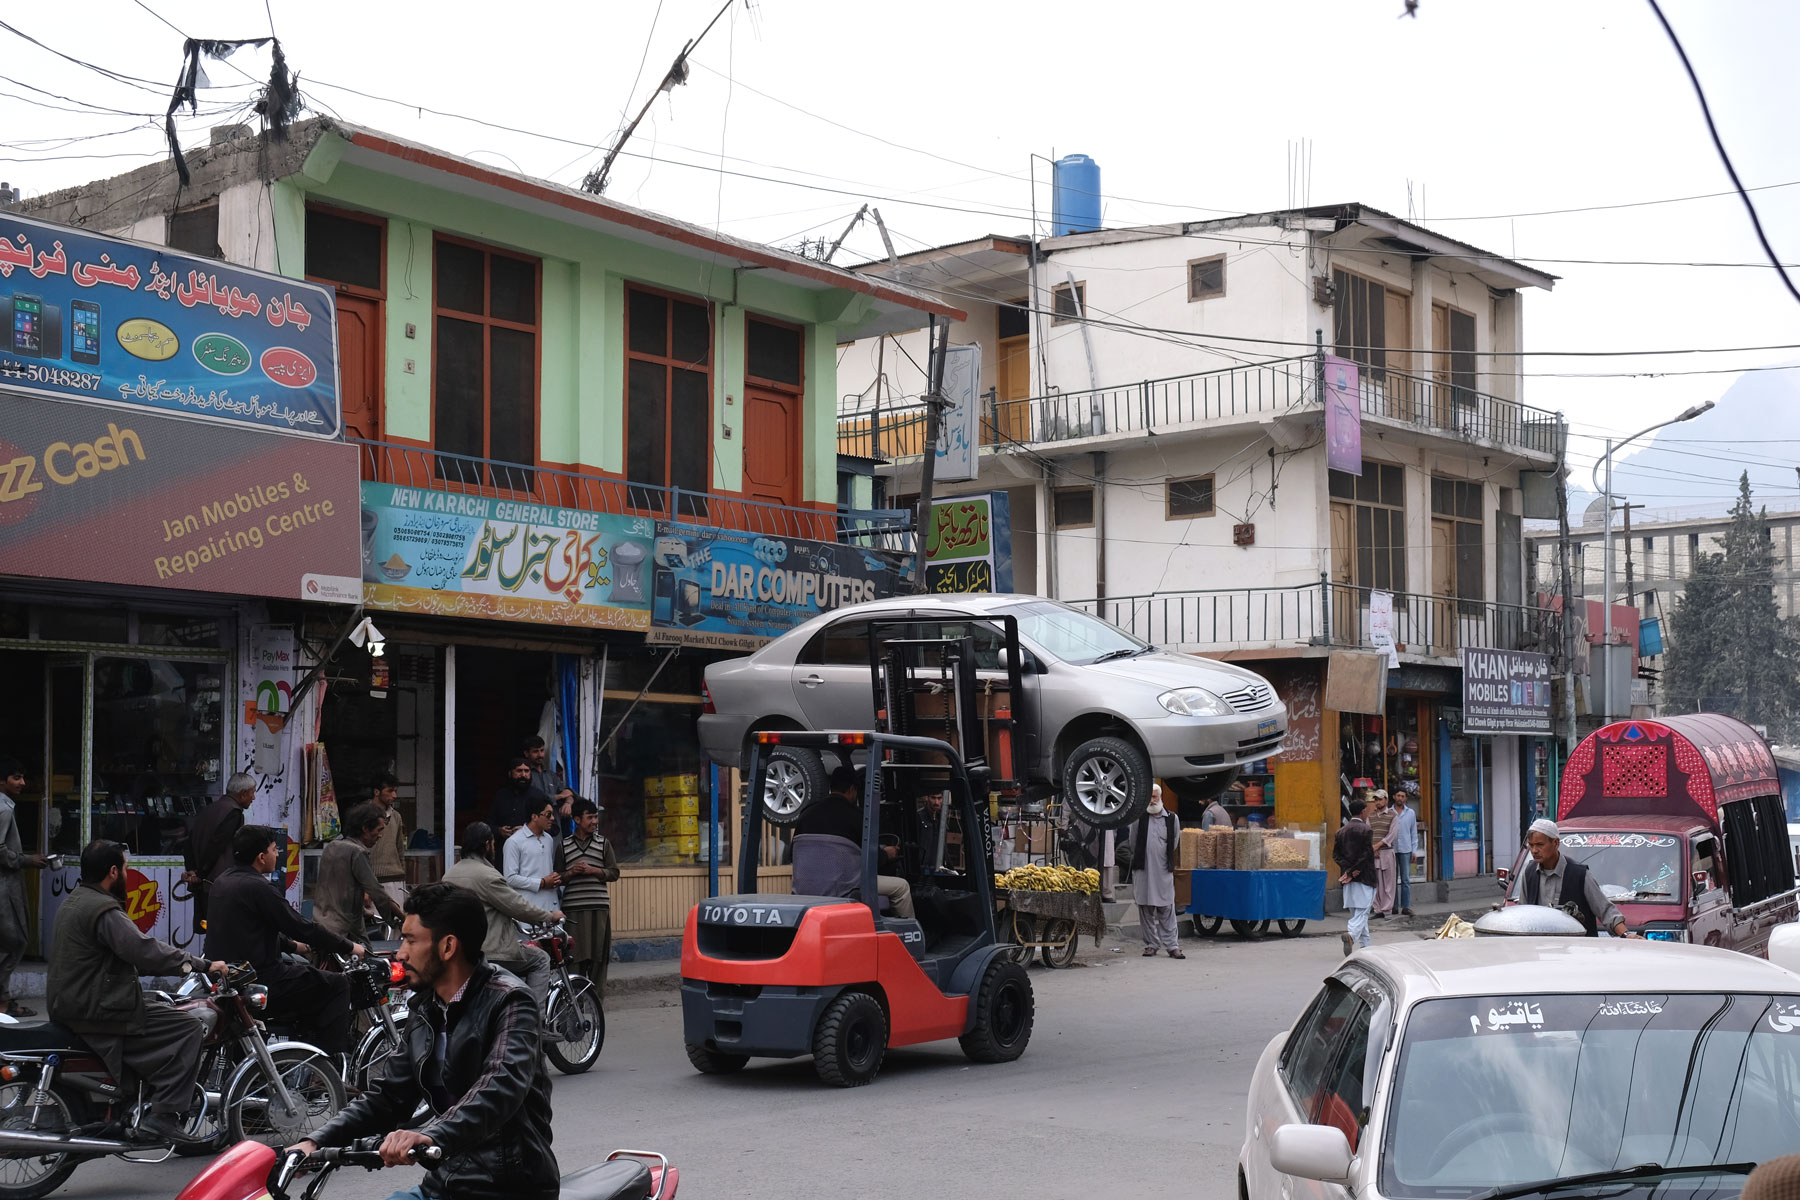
x: 379, y: 994
x: 60, y: 1106
x: 574, y: 1019
x: 255, y: 1172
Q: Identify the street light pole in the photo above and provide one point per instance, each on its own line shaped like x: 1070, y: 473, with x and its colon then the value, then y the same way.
x: 1606, y: 556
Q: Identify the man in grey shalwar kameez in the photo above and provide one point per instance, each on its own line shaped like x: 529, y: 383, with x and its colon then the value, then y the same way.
x: 1153, y: 876
x: 14, y: 923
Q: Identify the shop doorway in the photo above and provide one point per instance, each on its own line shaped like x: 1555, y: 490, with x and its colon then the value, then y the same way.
x: 500, y: 698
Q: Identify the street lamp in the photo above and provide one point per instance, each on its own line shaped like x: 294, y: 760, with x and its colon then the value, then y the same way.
x: 1606, y: 555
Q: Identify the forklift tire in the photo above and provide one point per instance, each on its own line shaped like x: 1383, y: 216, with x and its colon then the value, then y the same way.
x: 1004, y: 1008
x: 793, y: 779
x: 708, y: 1061
x: 1106, y: 782
x: 851, y: 1040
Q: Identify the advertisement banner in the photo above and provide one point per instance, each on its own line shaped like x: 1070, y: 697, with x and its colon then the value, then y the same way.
x: 959, y: 428
x: 455, y: 555
x: 968, y: 544
x: 106, y: 496
x: 107, y: 321
x: 1343, y: 416
x: 729, y: 590
x: 1505, y: 691
x: 1381, y: 626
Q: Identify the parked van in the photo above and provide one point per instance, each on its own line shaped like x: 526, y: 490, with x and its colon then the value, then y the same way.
x: 1682, y: 823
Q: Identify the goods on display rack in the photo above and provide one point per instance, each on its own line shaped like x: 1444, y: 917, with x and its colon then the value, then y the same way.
x: 672, y: 819
x: 1251, y: 799
x: 1252, y: 877
x: 1045, y: 910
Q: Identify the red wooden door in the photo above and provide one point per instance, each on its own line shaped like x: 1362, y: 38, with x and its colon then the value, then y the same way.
x: 771, y: 446
x: 359, y: 365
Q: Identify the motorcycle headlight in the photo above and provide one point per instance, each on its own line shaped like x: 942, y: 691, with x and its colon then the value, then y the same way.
x: 257, y: 995
x: 1194, y: 702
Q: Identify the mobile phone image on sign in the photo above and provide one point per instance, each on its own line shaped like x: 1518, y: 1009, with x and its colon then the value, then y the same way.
x: 27, y: 325
x: 84, y: 345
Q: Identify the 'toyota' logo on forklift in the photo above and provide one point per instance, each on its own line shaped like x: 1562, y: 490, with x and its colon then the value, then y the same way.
x: 743, y: 914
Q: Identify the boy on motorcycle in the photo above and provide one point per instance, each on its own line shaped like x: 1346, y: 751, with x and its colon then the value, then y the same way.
x: 471, y: 1052
x: 96, y: 955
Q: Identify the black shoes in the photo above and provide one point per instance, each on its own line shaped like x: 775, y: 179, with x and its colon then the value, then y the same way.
x: 164, y: 1129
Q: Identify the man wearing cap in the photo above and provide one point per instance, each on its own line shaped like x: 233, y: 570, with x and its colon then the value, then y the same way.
x: 1557, y: 882
x: 1353, y: 851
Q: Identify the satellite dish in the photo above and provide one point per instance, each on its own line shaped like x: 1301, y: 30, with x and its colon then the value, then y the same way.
x: 1594, y: 515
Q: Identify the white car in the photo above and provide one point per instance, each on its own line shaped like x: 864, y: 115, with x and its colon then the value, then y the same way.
x: 1509, y: 1066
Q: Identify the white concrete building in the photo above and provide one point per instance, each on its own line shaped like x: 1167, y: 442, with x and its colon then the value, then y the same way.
x: 1153, y: 410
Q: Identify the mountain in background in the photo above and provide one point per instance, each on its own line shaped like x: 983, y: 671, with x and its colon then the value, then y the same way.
x: 1691, y: 470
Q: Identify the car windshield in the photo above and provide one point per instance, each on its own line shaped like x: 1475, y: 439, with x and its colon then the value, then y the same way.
x: 1070, y: 634
x: 1642, y: 868
x: 1500, y: 1090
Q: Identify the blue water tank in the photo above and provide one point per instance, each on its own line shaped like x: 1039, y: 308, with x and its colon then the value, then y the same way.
x: 1075, y: 195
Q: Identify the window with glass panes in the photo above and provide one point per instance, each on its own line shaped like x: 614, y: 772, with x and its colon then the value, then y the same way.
x: 1379, y: 528
x: 1458, y: 501
x: 485, y: 364
x: 1359, y: 321
x: 668, y: 399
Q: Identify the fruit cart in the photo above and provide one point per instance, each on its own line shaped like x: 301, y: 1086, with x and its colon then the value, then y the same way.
x: 1045, y: 910
x: 1252, y: 900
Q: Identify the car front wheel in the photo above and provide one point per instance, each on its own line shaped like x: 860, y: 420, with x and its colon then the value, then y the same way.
x: 1106, y: 782
x: 792, y: 779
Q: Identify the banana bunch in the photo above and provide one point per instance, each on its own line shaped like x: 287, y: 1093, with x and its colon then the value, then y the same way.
x: 1039, y: 878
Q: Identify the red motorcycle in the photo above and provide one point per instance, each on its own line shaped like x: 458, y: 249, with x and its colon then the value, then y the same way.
x: 249, y: 1171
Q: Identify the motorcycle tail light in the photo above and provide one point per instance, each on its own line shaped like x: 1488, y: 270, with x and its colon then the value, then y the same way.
x: 9, y: 1073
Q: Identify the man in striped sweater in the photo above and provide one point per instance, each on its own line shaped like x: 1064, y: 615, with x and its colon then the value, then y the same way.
x: 589, y: 865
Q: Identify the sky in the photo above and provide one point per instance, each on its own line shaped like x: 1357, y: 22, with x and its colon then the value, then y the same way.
x: 1471, y: 117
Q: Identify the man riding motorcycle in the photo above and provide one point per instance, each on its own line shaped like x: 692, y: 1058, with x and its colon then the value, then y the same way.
x: 471, y: 1051
x: 476, y: 872
x: 96, y: 955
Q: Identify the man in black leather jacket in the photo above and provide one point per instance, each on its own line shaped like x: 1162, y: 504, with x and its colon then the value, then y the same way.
x: 471, y: 1051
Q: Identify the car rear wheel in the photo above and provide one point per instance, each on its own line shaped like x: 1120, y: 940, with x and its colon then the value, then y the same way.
x: 1106, y: 780
x: 792, y: 779
x: 851, y: 1040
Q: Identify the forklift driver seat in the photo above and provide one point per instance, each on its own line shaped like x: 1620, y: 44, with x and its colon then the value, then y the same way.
x: 828, y: 865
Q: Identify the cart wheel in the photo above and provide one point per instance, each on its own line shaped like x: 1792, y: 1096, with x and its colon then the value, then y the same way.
x: 1024, y: 931
x: 1249, y: 929
x: 1207, y: 926
x: 1292, y: 928
x: 1061, y: 956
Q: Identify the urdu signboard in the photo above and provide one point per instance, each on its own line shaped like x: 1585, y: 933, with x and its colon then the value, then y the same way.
x: 1505, y: 691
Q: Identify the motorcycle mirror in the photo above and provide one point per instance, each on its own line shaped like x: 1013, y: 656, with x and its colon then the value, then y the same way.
x: 1504, y: 877
x: 1702, y: 881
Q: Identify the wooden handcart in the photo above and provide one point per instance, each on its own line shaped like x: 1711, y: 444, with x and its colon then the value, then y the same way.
x: 1048, y: 923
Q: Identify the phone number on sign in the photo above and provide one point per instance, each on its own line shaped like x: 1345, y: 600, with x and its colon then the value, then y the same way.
x: 55, y: 376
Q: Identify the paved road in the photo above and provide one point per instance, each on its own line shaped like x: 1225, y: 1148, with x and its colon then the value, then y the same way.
x: 1134, y: 1085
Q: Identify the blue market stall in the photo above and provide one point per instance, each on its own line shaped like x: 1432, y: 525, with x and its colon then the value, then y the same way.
x: 1251, y: 900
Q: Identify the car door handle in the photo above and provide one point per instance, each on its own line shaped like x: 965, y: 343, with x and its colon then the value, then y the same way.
x: 811, y: 681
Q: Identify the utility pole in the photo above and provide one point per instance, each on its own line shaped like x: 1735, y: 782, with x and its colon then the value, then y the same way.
x: 1568, y: 610
x: 1630, y: 594
x: 934, y: 409
x: 594, y: 182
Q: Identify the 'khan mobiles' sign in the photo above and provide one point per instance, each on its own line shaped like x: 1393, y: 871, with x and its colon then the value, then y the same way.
x: 112, y: 496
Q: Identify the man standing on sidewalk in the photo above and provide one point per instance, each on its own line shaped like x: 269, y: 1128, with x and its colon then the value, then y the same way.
x: 590, y: 864
x: 1381, y: 822
x: 1353, y: 851
x: 388, y: 854
x: 1403, y: 836
x: 14, y: 923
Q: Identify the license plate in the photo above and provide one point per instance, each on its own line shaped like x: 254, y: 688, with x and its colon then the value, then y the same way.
x: 1266, y: 727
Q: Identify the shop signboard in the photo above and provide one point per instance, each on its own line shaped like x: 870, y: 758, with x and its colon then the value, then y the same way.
x: 731, y: 590
x: 968, y: 545
x: 959, y: 425
x: 451, y: 554
x: 1465, y: 822
x: 107, y: 321
x: 156, y: 901
x: 1505, y: 691
x: 107, y: 496
x: 1343, y: 416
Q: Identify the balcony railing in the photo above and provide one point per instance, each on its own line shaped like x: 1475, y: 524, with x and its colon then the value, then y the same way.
x: 1326, y: 614
x: 1186, y: 401
x: 438, y: 471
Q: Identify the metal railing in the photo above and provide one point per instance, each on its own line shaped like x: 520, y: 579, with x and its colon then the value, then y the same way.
x: 1326, y: 614
x: 440, y: 471
x: 1183, y: 401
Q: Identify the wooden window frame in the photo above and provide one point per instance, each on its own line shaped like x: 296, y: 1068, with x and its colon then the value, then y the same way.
x: 1370, y: 356
x: 354, y: 289
x: 488, y: 322
x: 1458, y: 522
x: 773, y: 385
x: 1395, y: 551
x: 1058, y: 524
x: 1169, y: 513
x: 1196, y: 296
x: 1079, y: 290
x: 1461, y: 393
x: 669, y: 363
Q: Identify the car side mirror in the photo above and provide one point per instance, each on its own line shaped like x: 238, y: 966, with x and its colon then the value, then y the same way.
x: 1504, y: 877
x: 1784, y: 946
x: 1027, y: 664
x: 1320, y: 1152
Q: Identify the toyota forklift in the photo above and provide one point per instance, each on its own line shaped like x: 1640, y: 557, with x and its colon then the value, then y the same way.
x: 838, y: 976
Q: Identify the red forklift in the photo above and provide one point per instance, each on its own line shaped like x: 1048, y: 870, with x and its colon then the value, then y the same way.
x: 838, y: 975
